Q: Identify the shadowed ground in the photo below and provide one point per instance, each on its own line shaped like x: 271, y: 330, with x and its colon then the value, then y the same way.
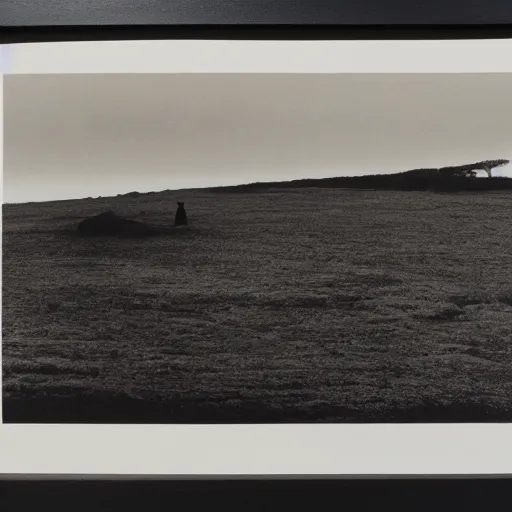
x: 290, y: 306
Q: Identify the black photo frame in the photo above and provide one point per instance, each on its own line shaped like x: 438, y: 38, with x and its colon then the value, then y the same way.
x: 23, y: 492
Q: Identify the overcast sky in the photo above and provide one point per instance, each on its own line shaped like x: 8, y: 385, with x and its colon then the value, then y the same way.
x: 71, y: 136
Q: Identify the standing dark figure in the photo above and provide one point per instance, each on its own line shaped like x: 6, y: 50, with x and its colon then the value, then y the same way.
x: 181, y: 215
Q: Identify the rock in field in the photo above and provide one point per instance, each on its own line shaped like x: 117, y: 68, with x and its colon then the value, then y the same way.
x: 109, y: 224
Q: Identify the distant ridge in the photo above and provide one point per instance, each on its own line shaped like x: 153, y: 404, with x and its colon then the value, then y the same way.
x: 442, y: 179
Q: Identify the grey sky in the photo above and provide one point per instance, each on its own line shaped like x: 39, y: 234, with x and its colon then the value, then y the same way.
x: 68, y: 136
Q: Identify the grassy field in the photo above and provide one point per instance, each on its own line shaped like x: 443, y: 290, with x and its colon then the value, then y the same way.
x: 312, y: 305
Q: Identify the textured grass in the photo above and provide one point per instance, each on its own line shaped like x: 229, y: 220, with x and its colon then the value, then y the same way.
x: 298, y: 305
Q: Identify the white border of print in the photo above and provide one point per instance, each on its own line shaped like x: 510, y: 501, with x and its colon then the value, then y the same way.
x: 458, y: 56
x: 238, y: 450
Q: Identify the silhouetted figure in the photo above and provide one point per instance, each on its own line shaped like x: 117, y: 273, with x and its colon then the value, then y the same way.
x: 181, y: 215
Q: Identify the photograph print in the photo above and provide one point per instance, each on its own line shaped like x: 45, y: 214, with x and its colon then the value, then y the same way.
x: 257, y: 248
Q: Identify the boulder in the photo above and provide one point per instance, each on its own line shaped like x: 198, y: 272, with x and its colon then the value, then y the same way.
x: 109, y: 224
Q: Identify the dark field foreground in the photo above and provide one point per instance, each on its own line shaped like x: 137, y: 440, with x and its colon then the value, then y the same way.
x: 311, y: 305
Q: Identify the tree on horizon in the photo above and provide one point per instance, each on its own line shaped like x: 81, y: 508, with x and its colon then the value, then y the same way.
x: 489, y: 165
x: 470, y: 170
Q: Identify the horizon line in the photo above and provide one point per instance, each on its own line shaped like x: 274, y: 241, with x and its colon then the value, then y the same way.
x: 189, y: 189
